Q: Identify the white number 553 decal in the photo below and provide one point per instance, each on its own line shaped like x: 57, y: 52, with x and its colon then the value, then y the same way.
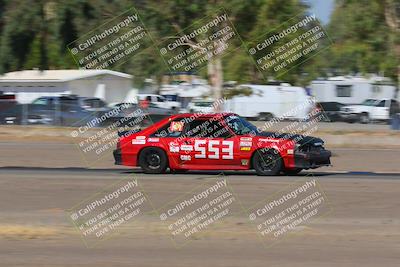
x: 214, y: 148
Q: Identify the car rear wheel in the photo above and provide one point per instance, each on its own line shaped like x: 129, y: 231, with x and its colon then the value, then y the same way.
x: 153, y: 160
x: 292, y: 172
x: 265, y: 116
x: 364, y: 118
x: 267, y: 162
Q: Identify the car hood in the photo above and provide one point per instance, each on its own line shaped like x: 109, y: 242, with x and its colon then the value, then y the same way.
x: 300, y: 139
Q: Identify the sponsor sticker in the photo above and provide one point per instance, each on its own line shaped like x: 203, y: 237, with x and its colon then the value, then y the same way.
x: 245, y: 143
x: 187, y: 147
x: 153, y: 140
x: 141, y: 137
x: 245, y: 148
x: 173, y: 147
x: 186, y: 157
x: 138, y: 141
x: 268, y: 140
x: 246, y: 139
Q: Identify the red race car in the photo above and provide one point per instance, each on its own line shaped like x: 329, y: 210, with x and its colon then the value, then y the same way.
x: 220, y: 141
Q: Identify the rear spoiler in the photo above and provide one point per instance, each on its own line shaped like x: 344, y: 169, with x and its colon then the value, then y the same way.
x: 127, y: 133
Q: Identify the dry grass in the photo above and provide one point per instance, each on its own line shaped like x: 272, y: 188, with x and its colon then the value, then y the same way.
x: 8, y: 231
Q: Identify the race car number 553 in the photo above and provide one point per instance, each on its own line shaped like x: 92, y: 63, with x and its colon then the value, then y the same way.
x: 215, y: 149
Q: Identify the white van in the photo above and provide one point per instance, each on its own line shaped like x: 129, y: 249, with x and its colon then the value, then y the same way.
x: 272, y: 101
x: 160, y: 101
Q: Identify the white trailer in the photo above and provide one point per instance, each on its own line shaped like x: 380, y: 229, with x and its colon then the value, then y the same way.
x: 352, y: 90
x: 186, y: 92
x: 272, y: 101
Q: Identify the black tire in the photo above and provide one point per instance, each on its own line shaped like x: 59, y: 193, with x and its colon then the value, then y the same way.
x: 364, y: 118
x: 267, y: 162
x: 265, y: 117
x: 292, y: 172
x: 153, y: 160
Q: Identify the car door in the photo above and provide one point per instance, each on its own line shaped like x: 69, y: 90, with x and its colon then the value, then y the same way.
x: 381, y: 110
x: 170, y: 138
x: 44, y: 109
x: 208, y: 144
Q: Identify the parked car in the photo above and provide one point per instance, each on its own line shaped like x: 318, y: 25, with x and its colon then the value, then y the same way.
x: 174, y: 101
x: 369, y: 110
x: 159, y: 101
x: 330, y: 110
x: 201, y: 105
x: 70, y: 110
x: 10, y: 110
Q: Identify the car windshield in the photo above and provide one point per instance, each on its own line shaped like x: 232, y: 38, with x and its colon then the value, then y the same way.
x: 203, y: 104
x: 239, y: 125
x: 171, y: 97
x: 40, y: 101
x: 94, y: 103
x: 369, y: 102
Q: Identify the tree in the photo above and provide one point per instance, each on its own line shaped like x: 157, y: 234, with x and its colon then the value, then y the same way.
x: 392, y: 16
x: 362, y: 40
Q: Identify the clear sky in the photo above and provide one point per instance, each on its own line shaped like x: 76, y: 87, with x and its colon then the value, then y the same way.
x: 321, y: 8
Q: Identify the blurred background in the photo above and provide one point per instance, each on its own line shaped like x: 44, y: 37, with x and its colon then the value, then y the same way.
x: 55, y: 151
x: 41, y: 83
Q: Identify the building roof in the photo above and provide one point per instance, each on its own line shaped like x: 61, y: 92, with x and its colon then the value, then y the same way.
x: 56, y: 75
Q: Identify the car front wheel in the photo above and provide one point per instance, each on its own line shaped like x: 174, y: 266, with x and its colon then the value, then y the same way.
x: 267, y: 162
x: 153, y: 160
x: 364, y: 118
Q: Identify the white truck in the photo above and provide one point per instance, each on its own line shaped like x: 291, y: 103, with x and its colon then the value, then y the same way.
x: 159, y: 101
x: 370, y: 110
x: 272, y: 101
x: 201, y: 106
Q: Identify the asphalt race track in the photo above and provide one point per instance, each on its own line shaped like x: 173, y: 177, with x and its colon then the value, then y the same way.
x: 360, y: 229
